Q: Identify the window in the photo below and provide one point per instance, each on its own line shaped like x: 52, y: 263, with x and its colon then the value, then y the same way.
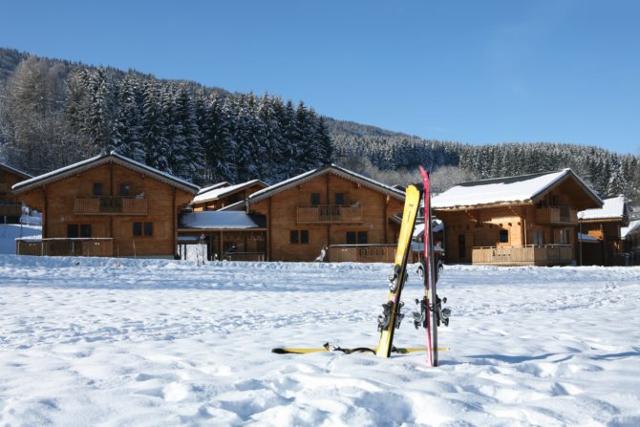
x: 143, y: 229
x: 340, y: 199
x: 315, y: 199
x: 85, y: 230
x: 357, y: 237
x: 72, y: 231
x: 299, y: 237
x: 97, y: 189
x: 351, y: 237
x: 125, y: 190
x: 148, y: 229
x: 504, y: 236
x: 362, y: 237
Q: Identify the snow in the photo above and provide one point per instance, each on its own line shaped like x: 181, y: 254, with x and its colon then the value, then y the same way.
x: 88, y: 341
x: 612, y: 208
x: 216, y: 193
x: 220, y: 220
x: 508, y: 190
x: 10, y: 232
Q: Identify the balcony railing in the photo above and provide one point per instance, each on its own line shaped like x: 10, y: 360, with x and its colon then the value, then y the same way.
x: 329, y: 214
x: 362, y: 253
x: 110, y: 206
x: 528, y: 255
x: 557, y: 215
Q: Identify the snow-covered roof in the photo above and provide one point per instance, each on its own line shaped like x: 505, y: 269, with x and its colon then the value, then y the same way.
x: 436, y: 226
x: 220, y: 192
x: 524, y: 189
x: 587, y: 238
x: 613, y: 208
x: 221, y: 220
x: 632, y: 228
x: 102, y: 159
x: 15, y: 171
x: 332, y: 168
x: 212, y: 186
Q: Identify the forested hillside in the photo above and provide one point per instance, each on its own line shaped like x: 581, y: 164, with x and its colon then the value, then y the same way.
x: 55, y: 112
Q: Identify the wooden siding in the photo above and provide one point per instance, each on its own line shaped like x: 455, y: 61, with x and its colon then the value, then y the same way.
x: 10, y: 206
x: 527, y: 255
x: 281, y: 211
x: 57, y: 200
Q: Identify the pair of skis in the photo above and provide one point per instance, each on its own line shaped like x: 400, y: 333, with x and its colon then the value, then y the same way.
x: 430, y: 312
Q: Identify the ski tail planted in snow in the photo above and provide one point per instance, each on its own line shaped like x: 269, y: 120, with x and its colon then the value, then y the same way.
x: 390, y: 319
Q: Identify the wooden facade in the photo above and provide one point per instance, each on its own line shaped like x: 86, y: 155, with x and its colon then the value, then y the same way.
x: 537, y: 230
x: 110, y: 197
x: 328, y: 207
x: 10, y: 206
x: 605, y: 226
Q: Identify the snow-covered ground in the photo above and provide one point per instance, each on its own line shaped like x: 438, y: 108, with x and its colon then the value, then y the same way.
x: 88, y: 341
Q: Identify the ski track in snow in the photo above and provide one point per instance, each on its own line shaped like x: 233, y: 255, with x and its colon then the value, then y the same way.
x: 150, y: 342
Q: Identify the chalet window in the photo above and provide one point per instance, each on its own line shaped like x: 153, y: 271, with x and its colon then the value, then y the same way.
x: 340, y: 199
x: 85, y: 230
x: 97, y: 189
x: 72, y: 231
x: 299, y: 237
x: 362, y: 238
x: 143, y: 229
x: 351, y: 238
x: 315, y: 199
x: 125, y: 190
x: 504, y: 236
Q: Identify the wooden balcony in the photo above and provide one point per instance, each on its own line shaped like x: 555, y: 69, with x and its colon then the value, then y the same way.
x: 98, y: 247
x: 362, y: 253
x: 110, y: 206
x: 561, y: 215
x: 329, y: 214
x: 528, y: 255
x: 10, y: 209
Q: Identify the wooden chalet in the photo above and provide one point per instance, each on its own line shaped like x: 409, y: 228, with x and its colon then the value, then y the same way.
x: 108, y: 205
x: 224, y: 194
x: 10, y: 206
x: 522, y: 220
x: 330, y: 211
x: 631, y: 238
x: 600, y: 233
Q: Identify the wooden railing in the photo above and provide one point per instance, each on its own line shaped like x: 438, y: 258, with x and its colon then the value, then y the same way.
x: 10, y: 209
x: 65, y: 247
x: 527, y: 255
x: 557, y: 215
x: 329, y: 214
x: 362, y: 253
x: 110, y: 205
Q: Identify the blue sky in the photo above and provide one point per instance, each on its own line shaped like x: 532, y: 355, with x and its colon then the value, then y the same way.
x: 469, y: 71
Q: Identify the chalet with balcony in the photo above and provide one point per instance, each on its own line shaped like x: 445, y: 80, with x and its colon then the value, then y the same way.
x: 631, y: 238
x: 331, y: 213
x: 108, y: 205
x: 521, y: 220
x: 10, y: 207
x: 222, y: 195
x: 600, y: 233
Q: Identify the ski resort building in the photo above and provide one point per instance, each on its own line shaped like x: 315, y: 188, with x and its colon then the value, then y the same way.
x: 108, y: 205
x: 224, y: 194
x: 10, y: 207
x: 521, y: 220
x: 329, y: 213
x: 600, y: 233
